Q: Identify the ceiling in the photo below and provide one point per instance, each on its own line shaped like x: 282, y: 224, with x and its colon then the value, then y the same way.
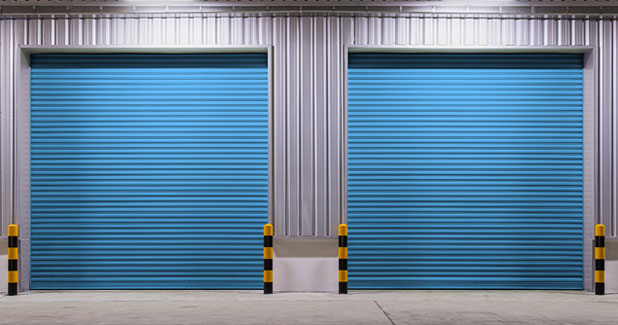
x: 550, y: 3
x: 524, y: 7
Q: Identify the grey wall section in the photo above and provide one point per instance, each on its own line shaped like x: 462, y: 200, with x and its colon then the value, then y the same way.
x: 308, y: 136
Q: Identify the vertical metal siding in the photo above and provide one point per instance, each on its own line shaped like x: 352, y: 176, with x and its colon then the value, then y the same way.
x: 148, y: 171
x: 9, y: 37
x: 465, y: 171
x: 325, y: 122
x: 606, y: 111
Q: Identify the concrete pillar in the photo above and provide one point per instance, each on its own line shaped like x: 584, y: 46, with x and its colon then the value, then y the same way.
x: 305, y: 265
x: 611, y: 265
x: 4, y: 266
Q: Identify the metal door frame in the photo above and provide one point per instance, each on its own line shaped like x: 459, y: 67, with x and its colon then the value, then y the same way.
x: 21, y: 214
x: 590, y: 129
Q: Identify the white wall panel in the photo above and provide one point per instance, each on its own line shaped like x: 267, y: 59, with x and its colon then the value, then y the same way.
x: 308, y: 84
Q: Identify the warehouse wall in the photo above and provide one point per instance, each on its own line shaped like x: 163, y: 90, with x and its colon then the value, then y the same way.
x: 308, y: 198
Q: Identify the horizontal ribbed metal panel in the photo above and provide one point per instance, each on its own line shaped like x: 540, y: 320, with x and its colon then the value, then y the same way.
x: 148, y: 171
x: 465, y: 171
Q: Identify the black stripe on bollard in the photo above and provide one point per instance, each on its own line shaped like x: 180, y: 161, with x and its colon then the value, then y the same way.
x: 268, y: 265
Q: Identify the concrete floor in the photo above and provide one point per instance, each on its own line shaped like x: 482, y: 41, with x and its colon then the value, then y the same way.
x: 359, y: 307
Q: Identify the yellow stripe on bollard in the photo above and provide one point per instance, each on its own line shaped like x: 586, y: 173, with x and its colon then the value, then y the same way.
x: 13, y: 275
x: 268, y: 276
x: 343, y: 276
x: 268, y: 253
x: 268, y: 230
x: 13, y: 231
x: 13, y: 253
x: 599, y: 253
x: 343, y: 252
x: 343, y: 230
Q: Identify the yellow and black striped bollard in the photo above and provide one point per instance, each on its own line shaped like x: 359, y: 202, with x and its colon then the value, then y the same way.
x: 13, y: 257
x: 343, y: 259
x: 599, y: 259
x: 268, y: 259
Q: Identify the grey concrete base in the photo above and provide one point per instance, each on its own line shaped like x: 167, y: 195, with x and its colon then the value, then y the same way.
x: 611, y: 276
x: 305, y: 265
x: 4, y: 265
x: 359, y: 307
x: 4, y: 273
x: 611, y: 266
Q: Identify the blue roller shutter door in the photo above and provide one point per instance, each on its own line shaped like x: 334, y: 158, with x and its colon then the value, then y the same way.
x: 148, y: 171
x: 465, y: 171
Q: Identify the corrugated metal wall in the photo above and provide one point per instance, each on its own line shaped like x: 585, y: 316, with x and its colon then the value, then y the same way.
x: 308, y: 85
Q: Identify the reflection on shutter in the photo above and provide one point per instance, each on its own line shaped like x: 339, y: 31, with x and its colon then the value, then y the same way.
x: 465, y: 171
x: 148, y: 171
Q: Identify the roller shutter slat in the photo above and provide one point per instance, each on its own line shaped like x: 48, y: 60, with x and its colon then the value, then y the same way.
x: 465, y: 171
x: 148, y: 171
